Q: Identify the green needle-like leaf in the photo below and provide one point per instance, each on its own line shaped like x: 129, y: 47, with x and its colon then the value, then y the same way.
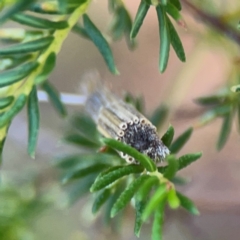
x: 6, y: 101
x: 47, y: 68
x: 139, y: 208
x: 110, y: 177
x: 157, y: 198
x: 37, y: 22
x: 128, y: 194
x: 173, y: 200
x: 33, y: 121
x: 143, y: 159
x: 164, y: 38
x: 54, y: 98
x: 176, y: 41
x: 225, y: 131
x: 180, y: 141
x: 187, y: 159
x: 168, y: 136
x: 137, y: 23
x: 212, y: 100
x: 27, y: 47
x: 6, y: 117
x: 97, y: 38
x: 14, y: 75
x: 172, y: 167
x: 159, y: 116
x: 83, y: 172
x: 172, y: 11
x: 100, y: 200
x: 176, y: 3
x: 188, y: 204
x: 157, y: 228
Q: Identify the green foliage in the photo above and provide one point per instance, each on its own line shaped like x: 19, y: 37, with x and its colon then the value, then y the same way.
x: 149, y: 187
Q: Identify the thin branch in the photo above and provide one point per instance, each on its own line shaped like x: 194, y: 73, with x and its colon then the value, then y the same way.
x: 214, y: 22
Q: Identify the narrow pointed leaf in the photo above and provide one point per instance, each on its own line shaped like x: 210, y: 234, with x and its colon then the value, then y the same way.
x: 54, y: 98
x: 187, y: 159
x: 6, y: 101
x: 143, y: 159
x: 176, y: 3
x: 157, y: 228
x: 172, y: 11
x: 80, y: 30
x: 137, y: 23
x: 100, y: 200
x: 158, y: 197
x: 164, y: 38
x: 27, y: 47
x: 20, y: 5
x: 139, y: 208
x: 17, y: 106
x: 111, y: 177
x: 14, y: 75
x: 180, y: 141
x: 33, y: 121
x: 127, y: 195
x: 225, y: 131
x: 37, y: 22
x: 47, y: 68
x: 188, y: 204
x: 173, y: 200
x: 83, y: 172
x: 168, y: 136
x: 97, y: 38
x: 211, y: 100
x: 159, y: 116
x: 176, y: 41
x: 172, y: 167
x: 80, y: 141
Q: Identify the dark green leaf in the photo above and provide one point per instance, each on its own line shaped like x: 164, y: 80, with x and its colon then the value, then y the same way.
x: 47, y: 68
x: 187, y: 204
x: 158, y: 197
x: 180, y: 141
x: 187, y: 159
x: 14, y: 75
x: 173, y: 200
x: 85, y: 125
x: 15, y: 60
x: 225, y: 131
x: 111, y: 177
x: 28, y: 47
x: 172, y: 11
x: 176, y: 3
x: 214, y: 113
x: 128, y: 194
x: 97, y: 38
x: 139, y: 208
x: 172, y: 167
x: 137, y: 23
x: 17, y: 106
x: 54, y: 98
x: 100, y: 200
x: 159, y: 116
x: 168, y: 136
x: 164, y: 38
x: 83, y: 172
x: 77, y: 28
x: 157, y: 228
x: 6, y: 101
x: 176, y: 41
x: 37, y: 22
x: 20, y: 5
x: 33, y: 121
x: 83, y: 160
x: 212, y: 100
x: 143, y: 159
x: 80, y: 141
